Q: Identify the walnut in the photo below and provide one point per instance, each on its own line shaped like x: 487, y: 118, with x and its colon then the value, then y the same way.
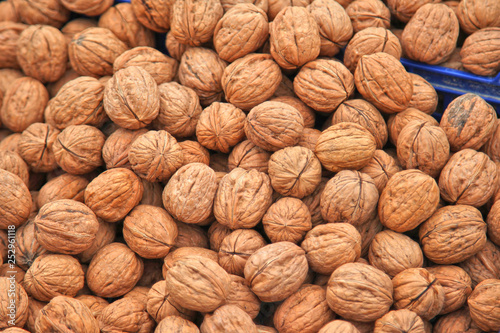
x: 338, y: 326
x: 113, y: 194
x: 431, y: 35
x: 294, y: 37
x: 153, y: 14
x: 12, y: 293
x: 371, y: 78
x: 324, y: 84
x: 404, y: 10
x: 125, y: 315
x: 10, y: 33
x: 87, y: 8
x: 309, y: 138
x: 14, y: 163
x: 243, y: 297
x: 117, y: 146
x: 174, y: 47
x: 381, y: 168
x: 228, y: 318
x: 216, y: 234
x: 191, y: 235
x: 177, y: 323
x: 368, y: 13
x: 184, y: 252
x: 50, y: 12
x: 237, y: 247
x: 359, y: 291
x: 493, y: 222
x: 482, y: 303
x: 485, y: 264
x: 54, y: 87
x: 105, y: 235
x: 248, y: 156
x: 201, y: 69
x: 458, y: 321
x: 307, y: 113
x: 285, y: 88
x: 475, y: 15
x: 198, y: 284
x: 95, y: 303
x: 409, y: 198
x: 160, y: 305
x: 492, y: 146
x: 275, y: 6
x: 53, y: 275
x: 138, y: 294
x: 480, y: 53
x: 276, y: 271
x: 15, y: 200
x: 457, y: 286
x: 8, y: 12
x: 261, y: 4
x: 93, y: 51
x: 23, y: 104
x: 10, y: 143
x: 288, y: 219
x: 75, y: 26
x: 27, y: 246
x: 194, y: 152
x: 399, y: 321
x: 369, y: 41
x: 398, y: 121
x: 313, y: 203
x: 424, y: 96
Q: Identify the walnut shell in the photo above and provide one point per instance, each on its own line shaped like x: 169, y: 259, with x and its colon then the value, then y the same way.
x: 10, y: 33
x: 23, y: 104
x: 288, y: 219
x: 309, y: 138
x: 105, y: 235
x: 457, y: 286
x: 371, y: 78
x: 368, y: 13
x: 117, y: 146
x: 339, y: 326
x: 294, y: 37
x: 183, y: 252
x: 247, y: 155
x: 125, y: 315
x: 198, y: 284
x: 285, y: 88
x: 113, y: 194
x: 474, y: 15
x: 176, y: 323
x: 93, y: 51
x: 458, y: 321
x: 424, y: 96
x: 65, y: 226
x: 431, y: 35
x: 49, y: 12
x: 399, y: 321
x: 53, y: 275
x: 228, y: 318
x: 160, y: 304
x: 95, y: 303
x: 398, y: 121
x: 54, y: 87
x: 359, y: 291
x: 493, y: 222
x: 65, y: 186
x: 8, y: 12
x: 194, y: 152
x: 482, y: 304
x: 174, y: 47
x: 66, y: 314
x: 153, y: 14
x: 409, y: 198
x: 243, y: 297
x: 75, y: 26
x: 261, y: 4
x: 14, y: 163
x: 324, y: 84
x: 276, y: 271
x: 138, y: 294
x: 275, y: 6
x: 12, y: 293
x: 36, y: 147
x: 27, y: 246
x: 216, y: 234
x: 191, y: 235
x: 468, y: 122
x: 237, y: 247
x: 484, y: 265
x: 307, y: 113
x: 15, y: 200
x: 492, y: 146
x: 381, y: 168
x: 87, y: 8
x: 480, y: 53
x: 404, y: 10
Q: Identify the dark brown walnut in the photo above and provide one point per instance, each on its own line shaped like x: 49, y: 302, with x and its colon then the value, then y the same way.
x: 78, y: 102
x: 368, y: 13
x: 78, y: 149
x: 27, y: 246
x: 13, y: 162
x: 8, y: 12
x: 371, y: 77
x: 416, y: 289
x: 113, y: 194
x: 15, y: 200
x: 242, y: 198
x: 369, y: 41
x: 155, y: 156
x: 237, y: 247
x: 12, y: 293
x: 198, y: 284
x: 93, y: 51
x: 193, y: 22
x: 251, y: 80
x: 365, y: 114
x: 191, y: 235
x: 201, y: 69
x: 75, y: 26
x: 483, y: 305
x: 114, y: 270
x: 95, y: 303
x: 475, y: 15
x: 458, y: 321
x: 9, y: 34
x: 124, y: 98
x: 54, y: 87
x: 121, y: 21
x: 174, y: 47
x: 248, y: 156
x: 423, y: 146
x: 50, y: 12
x: 335, y: 28
x: 190, y: 193
x: 53, y: 275
x: 42, y: 53
x: 307, y: 113
x: 194, y: 152
x: 65, y: 186
x: 276, y: 271
x: 309, y: 138
x: 453, y: 234
x: 294, y: 37
x: 87, y: 8
x: 153, y: 14
x: 424, y: 96
x: 117, y: 146
x: 404, y: 10
x: 105, y: 235
x: 177, y: 323
x: 125, y: 315
x: 65, y: 226
x: 431, y: 35
x: 493, y: 222
x: 485, y: 264
x: 324, y: 84
x: 381, y: 168
x: 160, y: 305
x: 183, y: 252
x: 468, y: 122
x: 399, y: 321
x: 467, y: 177
x: 23, y: 104
x: 243, y: 297
x: 481, y: 51
x: 359, y: 291
x: 349, y: 197
x: 243, y: 22
x: 161, y: 67
x: 398, y: 121
x: 36, y: 147
x: 228, y: 318
x: 66, y: 314
x: 409, y: 198
x: 457, y: 286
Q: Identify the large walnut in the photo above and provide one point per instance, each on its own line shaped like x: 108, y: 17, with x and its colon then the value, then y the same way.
x: 424, y: 96
x: 483, y: 304
x: 431, y: 35
x: 384, y: 82
x: 86, y: 7
x: 484, y: 265
x: 381, y: 168
x: 117, y: 146
x: 228, y: 318
x: 458, y: 321
x: 294, y: 37
x: 368, y: 13
x: 13, y: 297
x: 475, y: 15
x: 399, y: 321
x: 15, y: 200
x: 50, y: 12
x: 93, y: 51
x: 248, y: 156
x: 398, y: 121
x: 184, y: 252
x: 359, y: 292
x: 125, y: 315
x: 324, y: 84
x: 288, y: 219
x: 481, y: 51
x: 457, y: 286
x: 9, y: 34
x: 409, y: 198
x: 453, y: 234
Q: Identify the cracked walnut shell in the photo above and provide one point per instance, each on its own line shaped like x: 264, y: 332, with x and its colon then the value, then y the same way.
x: 15, y: 200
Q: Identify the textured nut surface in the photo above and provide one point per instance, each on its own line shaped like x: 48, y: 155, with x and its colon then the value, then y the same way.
x: 36, y: 147
x: 153, y: 14
x: 105, y: 235
x: 243, y: 297
x: 228, y: 318
x: 424, y: 96
x: 117, y: 146
x: 398, y: 121
x: 194, y: 152
x: 404, y: 9
x: 482, y: 303
x: 186, y: 251
x: 12, y: 292
x: 15, y: 200
x: 95, y: 303
x: 368, y: 13
x: 247, y: 155
x: 237, y: 247
x: 27, y: 246
x: 180, y: 324
x: 14, y: 163
x: 458, y: 321
x: 483, y: 265
x: 493, y: 222
x: 480, y: 53
x: 9, y: 34
x: 457, y: 286
x: 399, y: 321
x: 125, y: 315
x: 160, y: 305
x: 88, y: 8
x: 475, y: 15
x: 381, y: 168
x: 338, y: 326
x: 306, y: 112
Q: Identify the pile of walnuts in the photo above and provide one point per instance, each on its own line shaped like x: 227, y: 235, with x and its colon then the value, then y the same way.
x: 248, y: 181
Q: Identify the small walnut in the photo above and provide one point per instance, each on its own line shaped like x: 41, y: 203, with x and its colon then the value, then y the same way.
x: 309, y: 138
x: 424, y: 96
x: 404, y: 10
x: 12, y: 293
x: 324, y: 84
x: 493, y: 222
x: 160, y: 305
x: 480, y: 53
x: 95, y: 303
x: 49, y: 12
x: 457, y: 286
x: 117, y: 146
x: 228, y: 318
x: 27, y: 246
x: 247, y: 155
x: 288, y: 219
x: 484, y: 265
x: 36, y: 147
x: 475, y: 15
x: 105, y: 235
x: 381, y: 168
x: 14, y: 163
x: 113, y: 194
x: 15, y: 200
x: 371, y: 78
x: 174, y: 47
x: 368, y: 13
x: 93, y: 51
x: 194, y: 152
x: 243, y: 297
x: 10, y: 33
x: 191, y: 235
x: 483, y: 305
x: 399, y: 321
x: 176, y: 323
x: 237, y: 247
x: 398, y: 121
x: 125, y: 315
x: 458, y: 321
x: 409, y: 198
